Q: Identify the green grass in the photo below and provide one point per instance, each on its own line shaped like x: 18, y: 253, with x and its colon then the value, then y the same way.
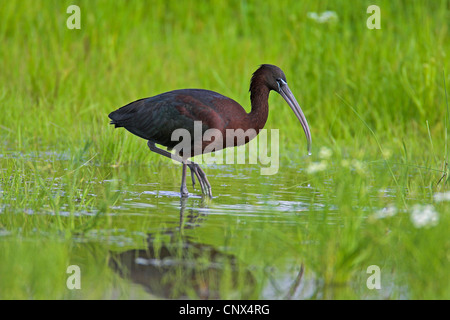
x: 377, y: 99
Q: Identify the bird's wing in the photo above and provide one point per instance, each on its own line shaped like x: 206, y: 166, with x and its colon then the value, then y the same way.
x: 156, y: 118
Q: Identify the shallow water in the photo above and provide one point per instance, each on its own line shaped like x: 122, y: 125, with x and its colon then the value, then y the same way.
x: 249, y: 215
x: 259, y: 237
x: 181, y: 260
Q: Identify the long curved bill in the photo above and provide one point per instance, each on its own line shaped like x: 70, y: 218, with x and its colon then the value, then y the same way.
x: 286, y: 93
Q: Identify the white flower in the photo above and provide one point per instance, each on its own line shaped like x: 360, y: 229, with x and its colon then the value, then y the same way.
x: 359, y: 166
x: 324, y: 17
x: 354, y: 164
x: 317, y: 166
x: 444, y: 196
x: 424, y: 216
x: 325, y: 153
x: 386, y: 212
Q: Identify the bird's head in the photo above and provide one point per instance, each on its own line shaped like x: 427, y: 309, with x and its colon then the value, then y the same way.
x: 275, y: 79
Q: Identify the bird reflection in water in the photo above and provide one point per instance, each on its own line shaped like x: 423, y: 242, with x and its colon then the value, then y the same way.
x: 174, y: 266
x: 178, y: 267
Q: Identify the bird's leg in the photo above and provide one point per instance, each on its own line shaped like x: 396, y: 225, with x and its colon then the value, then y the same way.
x: 184, y: 190
x: 199, y: 173
x: 162, y: 152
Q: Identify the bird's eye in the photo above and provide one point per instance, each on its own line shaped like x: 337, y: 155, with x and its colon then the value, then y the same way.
x: 280, y: 83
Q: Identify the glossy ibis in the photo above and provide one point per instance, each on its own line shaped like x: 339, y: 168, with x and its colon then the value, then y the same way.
x: 156, y: 118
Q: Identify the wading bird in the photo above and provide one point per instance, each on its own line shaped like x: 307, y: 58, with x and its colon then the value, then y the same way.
x: 156, y: 118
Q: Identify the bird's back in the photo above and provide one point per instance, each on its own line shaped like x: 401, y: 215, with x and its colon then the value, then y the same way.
x: 156, y: 118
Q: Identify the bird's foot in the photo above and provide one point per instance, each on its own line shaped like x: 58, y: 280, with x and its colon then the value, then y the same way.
x: 202, y: 179
x: 184, y: 192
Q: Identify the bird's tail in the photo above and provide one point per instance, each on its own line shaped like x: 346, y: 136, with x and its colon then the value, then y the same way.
x: 117, y: 119
x: 126, y: 115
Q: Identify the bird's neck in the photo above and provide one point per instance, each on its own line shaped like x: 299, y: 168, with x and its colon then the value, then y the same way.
x: 259, y: 97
